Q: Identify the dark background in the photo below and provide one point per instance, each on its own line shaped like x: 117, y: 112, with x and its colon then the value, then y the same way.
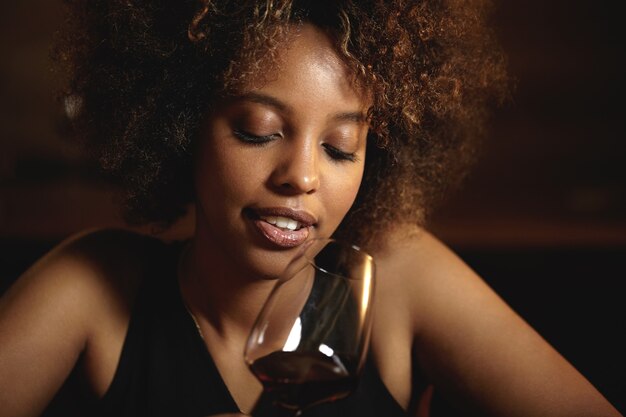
x: 542, y: 217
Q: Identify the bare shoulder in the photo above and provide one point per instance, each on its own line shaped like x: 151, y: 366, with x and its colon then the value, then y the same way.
x: 417, y: 247
x: 409, y: 268
x: 70, y: 304
x: 102, y: 262
x: 468, y: 342
x: 418, y: 268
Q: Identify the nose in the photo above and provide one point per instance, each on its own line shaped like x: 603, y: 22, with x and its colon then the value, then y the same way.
x: 297, y: 171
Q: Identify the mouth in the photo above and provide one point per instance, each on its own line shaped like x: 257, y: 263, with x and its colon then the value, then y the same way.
x: 281, y: 226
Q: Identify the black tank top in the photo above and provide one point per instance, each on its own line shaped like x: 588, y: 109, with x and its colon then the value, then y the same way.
x: 166, y: 370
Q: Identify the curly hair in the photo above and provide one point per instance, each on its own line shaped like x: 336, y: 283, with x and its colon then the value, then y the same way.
x: 146, y: 71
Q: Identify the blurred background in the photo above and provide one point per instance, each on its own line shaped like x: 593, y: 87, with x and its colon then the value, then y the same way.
x: 542, y: 217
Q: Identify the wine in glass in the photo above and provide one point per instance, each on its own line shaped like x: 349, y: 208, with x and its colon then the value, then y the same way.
x: 310, y: 340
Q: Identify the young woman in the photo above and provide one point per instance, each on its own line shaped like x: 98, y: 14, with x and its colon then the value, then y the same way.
x: 280, y: 121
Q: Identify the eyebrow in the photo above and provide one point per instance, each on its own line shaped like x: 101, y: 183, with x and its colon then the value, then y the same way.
x: 357, y: 117
x: 264, y: 99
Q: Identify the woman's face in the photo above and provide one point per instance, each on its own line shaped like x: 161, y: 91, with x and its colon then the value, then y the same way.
x: 282, y: 162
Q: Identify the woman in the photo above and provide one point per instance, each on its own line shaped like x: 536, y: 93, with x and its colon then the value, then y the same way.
x: 281, y: 122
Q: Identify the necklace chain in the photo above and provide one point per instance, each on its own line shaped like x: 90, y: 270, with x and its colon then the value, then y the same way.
x: 195, y: 321
x: 181, y: 275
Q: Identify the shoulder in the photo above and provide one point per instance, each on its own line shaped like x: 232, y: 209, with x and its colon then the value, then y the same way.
x: 426, y: 279
x: 98, y: 272
x: 468, y: 341
x: 82, y: 278
x: 411, y: 245
x: 63, y: 306
x: 413, y: 269
x: 418, y: 271
x: 96, y: 259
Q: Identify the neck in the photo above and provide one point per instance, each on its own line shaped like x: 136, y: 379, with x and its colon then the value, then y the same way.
x: 219, y: 293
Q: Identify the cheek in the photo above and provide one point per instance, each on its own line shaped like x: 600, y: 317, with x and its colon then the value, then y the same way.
x: 342, y: 193
x: 221, y: 170
x: 228, y: 177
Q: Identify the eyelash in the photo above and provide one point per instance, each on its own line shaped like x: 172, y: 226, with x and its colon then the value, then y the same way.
x: 336, y: 154
x: 253, y: 139
x: 339, y: 155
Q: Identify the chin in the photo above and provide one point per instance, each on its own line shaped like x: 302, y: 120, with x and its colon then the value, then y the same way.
x: 269, y: 265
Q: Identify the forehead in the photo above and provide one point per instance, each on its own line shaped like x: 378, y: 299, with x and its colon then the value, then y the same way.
x: 308, y: 67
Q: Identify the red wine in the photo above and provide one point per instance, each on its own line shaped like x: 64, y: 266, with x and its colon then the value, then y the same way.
x: 299, y: 379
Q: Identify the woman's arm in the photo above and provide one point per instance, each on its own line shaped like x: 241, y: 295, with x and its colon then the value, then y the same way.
x: 42, y: 333
x: 67, y: 306
x: 476, y: 350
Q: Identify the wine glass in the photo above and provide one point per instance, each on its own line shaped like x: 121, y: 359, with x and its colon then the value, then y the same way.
x: 310, y: 340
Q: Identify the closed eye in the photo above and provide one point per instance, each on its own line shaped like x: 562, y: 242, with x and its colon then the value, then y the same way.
x: 338, y: 154
x: 253, y: 139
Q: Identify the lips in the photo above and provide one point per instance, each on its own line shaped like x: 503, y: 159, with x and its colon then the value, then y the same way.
x: 281, y: 226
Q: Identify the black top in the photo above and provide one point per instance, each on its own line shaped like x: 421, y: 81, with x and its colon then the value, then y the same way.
x: 166, y: 370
